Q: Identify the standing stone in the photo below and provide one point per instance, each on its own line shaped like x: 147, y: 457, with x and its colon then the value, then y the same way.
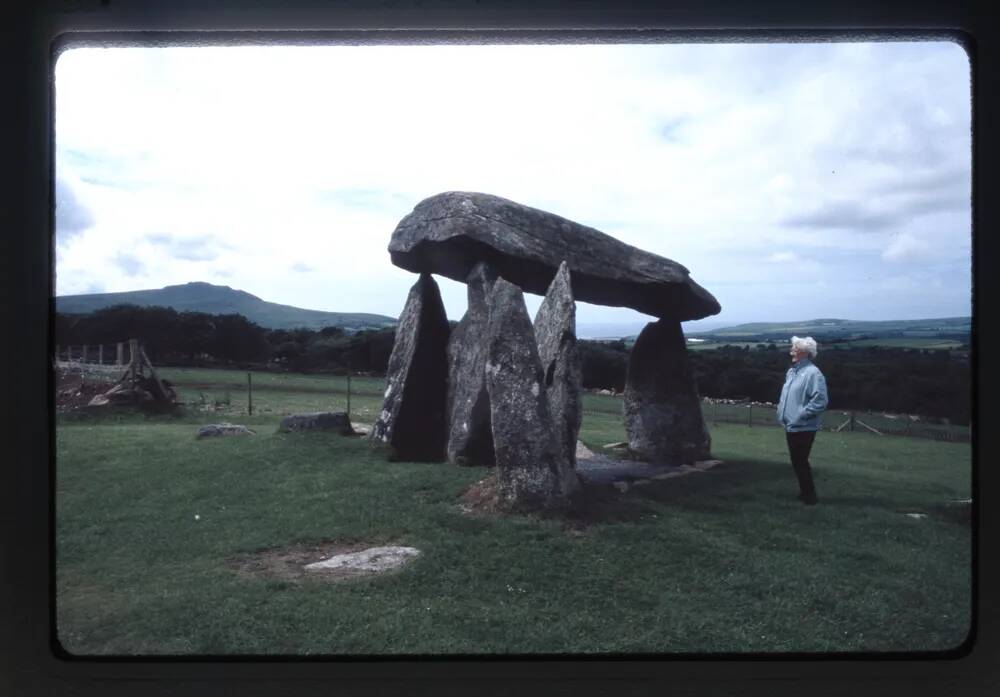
x: 555, y: 332
x: 662, y: 409
x: 412, y: 419
x: 531, y: 470
x: 470, y: 437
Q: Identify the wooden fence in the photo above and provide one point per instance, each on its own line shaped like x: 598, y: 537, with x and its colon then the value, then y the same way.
x: 117, y: 354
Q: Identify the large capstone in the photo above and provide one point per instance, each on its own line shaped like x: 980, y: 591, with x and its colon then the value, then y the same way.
x: 470, y: 438
x: 448, y: 234
x: 662, y: 410
x: 531, y: 469
x: 555, y: 332
x: 412, y: 419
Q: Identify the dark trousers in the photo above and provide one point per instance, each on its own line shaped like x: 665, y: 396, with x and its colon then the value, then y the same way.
x: 799, y: 445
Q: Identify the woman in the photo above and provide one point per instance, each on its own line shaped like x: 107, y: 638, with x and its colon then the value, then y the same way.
x: 803, y: 399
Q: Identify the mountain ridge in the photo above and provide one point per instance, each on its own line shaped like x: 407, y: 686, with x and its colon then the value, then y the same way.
x: 199, y: 296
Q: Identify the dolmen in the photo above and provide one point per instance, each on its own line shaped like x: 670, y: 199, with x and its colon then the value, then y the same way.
x: 503, y: 390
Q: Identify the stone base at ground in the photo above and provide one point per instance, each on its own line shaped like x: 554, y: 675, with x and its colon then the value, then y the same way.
x: 318, y: 421
x: 594, y: 468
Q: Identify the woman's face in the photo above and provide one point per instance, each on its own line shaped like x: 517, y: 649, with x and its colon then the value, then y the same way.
x: 797, y: 354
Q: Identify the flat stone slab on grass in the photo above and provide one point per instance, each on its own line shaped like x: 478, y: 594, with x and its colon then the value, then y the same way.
x: 212, y: 430
x: 318, y: 421
x: 372, y: 560
x: 601, y: 469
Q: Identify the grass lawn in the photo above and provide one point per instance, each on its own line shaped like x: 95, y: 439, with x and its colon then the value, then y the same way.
x: 722, y: 561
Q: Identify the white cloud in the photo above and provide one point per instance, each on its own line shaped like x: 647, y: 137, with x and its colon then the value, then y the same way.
x: 783, y: 258
x: 906, y: 247
x: 806, y: 156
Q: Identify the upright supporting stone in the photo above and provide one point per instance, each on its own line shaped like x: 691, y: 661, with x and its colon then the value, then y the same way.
x: 118, y: 358
x: 412, y: 419
x: 555, y: 332
x: 662, y: 410
x: 470, y: 436
x: 531, y: 470
x: 83, y: 359
x: 100, y: 354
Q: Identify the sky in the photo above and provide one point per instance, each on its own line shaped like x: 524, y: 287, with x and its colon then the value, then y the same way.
x: 794, y: 181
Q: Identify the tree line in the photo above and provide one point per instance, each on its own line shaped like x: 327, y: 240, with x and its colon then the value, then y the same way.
x: 929, y: 383
x: 177, y: 338
x: 896, y: 380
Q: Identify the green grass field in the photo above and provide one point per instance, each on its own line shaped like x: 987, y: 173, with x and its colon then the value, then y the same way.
x: 722, y: 561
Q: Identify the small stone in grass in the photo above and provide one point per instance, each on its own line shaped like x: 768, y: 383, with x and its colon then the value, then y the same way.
x: 225, y: 429
x: 371, y: 560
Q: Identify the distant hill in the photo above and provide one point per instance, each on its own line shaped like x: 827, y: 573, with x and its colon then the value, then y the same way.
x: 845, y: 327
x: 221, y: 300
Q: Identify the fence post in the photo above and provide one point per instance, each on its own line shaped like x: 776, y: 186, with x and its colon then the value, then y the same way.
x: 348, y: 396
x: 851, y: 428
x: 83, y: 358
x: 750, y: 415
x: 100, y: 354
x: 249, y: 395
x: 118, y: 358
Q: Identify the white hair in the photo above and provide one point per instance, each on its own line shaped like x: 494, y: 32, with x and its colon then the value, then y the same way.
x: 807, y: 344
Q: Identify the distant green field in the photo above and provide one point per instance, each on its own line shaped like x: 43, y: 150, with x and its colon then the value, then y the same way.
x: 818, y: 327
x: 914, y: 342
x: 721, y: 561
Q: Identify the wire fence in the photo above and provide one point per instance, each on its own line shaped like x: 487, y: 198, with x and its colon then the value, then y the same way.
x: 108, y: 356
x: 112, y: 357
x: 758, y: 415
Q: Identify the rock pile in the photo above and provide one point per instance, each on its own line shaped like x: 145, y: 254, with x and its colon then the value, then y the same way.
x: 502, y: 390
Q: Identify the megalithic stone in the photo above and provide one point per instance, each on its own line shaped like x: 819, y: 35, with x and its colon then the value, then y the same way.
x: 470, y: 437
x: 531, y: 470
x: 663, y: 417
x: 555, y: 332
x: 412, y: 419
x: 447, y: 234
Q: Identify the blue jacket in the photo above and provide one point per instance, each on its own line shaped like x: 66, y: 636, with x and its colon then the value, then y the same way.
x: 803, y: 397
